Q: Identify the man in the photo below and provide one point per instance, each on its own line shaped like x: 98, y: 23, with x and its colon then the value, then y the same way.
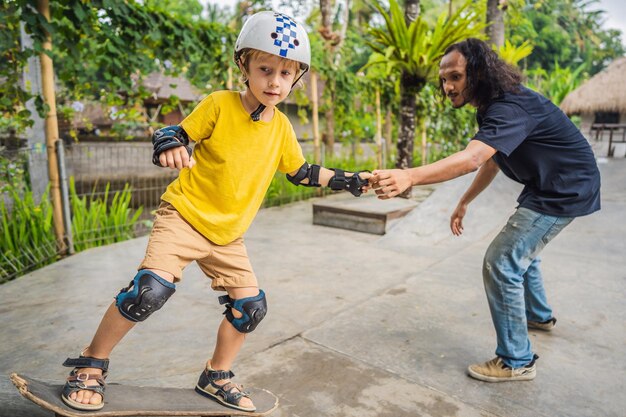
x: 528, y: 138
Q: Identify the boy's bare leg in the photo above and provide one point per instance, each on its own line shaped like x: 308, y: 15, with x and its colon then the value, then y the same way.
x: 111, y: 331
x: 230, y: 340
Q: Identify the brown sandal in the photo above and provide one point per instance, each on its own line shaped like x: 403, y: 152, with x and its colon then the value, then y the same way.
x: 76, y: 381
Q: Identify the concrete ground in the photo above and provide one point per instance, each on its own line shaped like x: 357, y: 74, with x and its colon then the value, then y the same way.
x: 358, y: 324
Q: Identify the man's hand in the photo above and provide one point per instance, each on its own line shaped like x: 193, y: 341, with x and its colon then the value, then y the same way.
x: 389, y: 183
x: 176, y: 158
x: 456, y: 219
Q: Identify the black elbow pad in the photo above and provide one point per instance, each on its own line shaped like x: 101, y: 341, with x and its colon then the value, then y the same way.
x: 306, y: 171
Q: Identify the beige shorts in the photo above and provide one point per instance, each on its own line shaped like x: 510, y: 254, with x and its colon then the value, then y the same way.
x: 174, y: 243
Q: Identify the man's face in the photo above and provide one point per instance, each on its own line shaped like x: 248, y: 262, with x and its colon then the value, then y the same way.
x: 453, y: 76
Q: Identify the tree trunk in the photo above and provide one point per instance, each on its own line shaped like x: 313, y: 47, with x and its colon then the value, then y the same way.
x: 406, y: 136
x: 326, y: 9
x: 495, y: 20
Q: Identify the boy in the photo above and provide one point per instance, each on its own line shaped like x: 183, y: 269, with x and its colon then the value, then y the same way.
x: 241, y: 140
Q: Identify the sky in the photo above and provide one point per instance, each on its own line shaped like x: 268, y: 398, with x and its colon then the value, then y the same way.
x: 615, y: 16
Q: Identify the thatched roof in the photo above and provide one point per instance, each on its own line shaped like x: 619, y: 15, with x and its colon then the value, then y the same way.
x: 163, y: 86
x: 604, y: 92
x: 92, y: 112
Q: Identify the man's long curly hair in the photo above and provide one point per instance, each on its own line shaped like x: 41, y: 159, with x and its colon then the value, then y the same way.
x: 488, y: 77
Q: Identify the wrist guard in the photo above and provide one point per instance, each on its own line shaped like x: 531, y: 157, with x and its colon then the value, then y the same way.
x: 167, y: 138
x: 339, y: 181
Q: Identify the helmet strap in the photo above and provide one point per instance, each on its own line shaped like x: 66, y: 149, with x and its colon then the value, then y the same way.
x: 256, y: 115
x: 298, y: 79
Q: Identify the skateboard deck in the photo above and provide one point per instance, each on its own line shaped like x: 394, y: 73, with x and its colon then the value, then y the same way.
x: 128, y: 400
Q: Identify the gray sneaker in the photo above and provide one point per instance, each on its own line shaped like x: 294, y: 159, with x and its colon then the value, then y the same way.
x: 546, y: 326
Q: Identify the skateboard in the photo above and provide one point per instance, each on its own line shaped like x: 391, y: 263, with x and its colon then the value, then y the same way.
x: 128, y: 400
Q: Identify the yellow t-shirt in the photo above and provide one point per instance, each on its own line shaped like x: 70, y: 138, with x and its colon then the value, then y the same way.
x: 236, y: 159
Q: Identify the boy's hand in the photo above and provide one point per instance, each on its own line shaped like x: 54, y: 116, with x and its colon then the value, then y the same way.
x: 176, y: 158
x: 365, y: 176
x: 359, y: 185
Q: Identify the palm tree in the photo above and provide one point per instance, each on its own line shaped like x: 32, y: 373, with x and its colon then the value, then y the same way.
x: 512, y: 54
x: 409, y: 88
x: 414, y: 51
x: 495, y: 20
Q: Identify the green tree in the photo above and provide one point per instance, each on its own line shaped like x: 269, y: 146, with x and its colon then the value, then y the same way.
x: 550, y: 24
x: 102, y: 48
x: 513, y: 54
x: 186, y: 9
x: 415, y: 51
x: 379, y: 80
x: 557, y: 83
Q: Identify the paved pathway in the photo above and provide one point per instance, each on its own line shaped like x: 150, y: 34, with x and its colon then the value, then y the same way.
x: 358, y: 325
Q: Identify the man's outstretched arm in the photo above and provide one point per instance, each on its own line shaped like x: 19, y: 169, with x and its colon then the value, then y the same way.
x: 389, y: 183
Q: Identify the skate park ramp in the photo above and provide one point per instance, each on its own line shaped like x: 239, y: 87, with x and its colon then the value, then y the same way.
x: 426, y: 229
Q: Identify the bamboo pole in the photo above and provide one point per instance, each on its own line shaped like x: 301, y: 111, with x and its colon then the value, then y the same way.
x: 388, y: 135
x: 379, y: 132
x: 424, y: 142
x: 229, y: 80
x: 52, y: 131
x: 316, y: 128
x: 65, y: 197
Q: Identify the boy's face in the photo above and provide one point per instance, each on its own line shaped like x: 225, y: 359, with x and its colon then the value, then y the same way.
x: 270, y: 78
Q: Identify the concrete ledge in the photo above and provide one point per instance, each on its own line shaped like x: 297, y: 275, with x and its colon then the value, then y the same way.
x: 365, y: 214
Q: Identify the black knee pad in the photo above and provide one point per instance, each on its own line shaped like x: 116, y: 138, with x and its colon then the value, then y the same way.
x: 253, y: 310
x: 148, y: 294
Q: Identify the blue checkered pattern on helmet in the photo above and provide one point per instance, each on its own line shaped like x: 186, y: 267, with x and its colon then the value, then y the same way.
x: 286, y: 35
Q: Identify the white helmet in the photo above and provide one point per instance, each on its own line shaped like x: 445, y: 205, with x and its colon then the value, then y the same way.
x: 276, y: 34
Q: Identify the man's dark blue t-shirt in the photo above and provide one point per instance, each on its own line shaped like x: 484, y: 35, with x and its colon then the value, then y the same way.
x: 541, y: 148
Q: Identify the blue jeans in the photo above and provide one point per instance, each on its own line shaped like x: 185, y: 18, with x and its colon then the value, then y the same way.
x: 513, y: 282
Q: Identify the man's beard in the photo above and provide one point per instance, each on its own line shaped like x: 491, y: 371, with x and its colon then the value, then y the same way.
x: 463, y: 94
